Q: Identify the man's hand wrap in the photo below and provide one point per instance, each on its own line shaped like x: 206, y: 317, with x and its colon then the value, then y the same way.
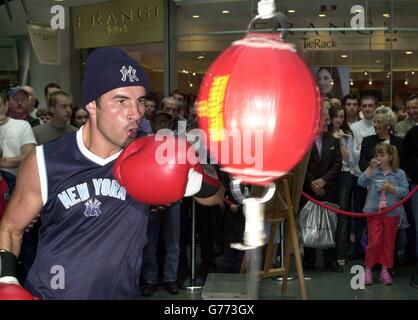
x: 8, y: 267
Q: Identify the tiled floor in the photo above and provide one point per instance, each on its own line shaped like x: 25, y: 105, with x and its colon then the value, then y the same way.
x: 321, y: 285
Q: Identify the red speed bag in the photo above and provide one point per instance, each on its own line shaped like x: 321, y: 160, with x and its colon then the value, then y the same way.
x: 15, y: 292
x: 258, y: 105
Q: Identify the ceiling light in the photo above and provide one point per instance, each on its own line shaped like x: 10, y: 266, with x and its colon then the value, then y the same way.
x: 201, y: 57
x: 195, y: 16
x: 386, y: 15
x: 351, y: 82
x: 408, y: 52
x: 322, y: 15
x: 291, y: 10
x: 344, y: 56
x: 406, y: 82
x: 370, y: 82
x: 191, y: 85
x: 194, y: 73
x: 365, y: 73
x: 225, y: 11
x: 412, y: 72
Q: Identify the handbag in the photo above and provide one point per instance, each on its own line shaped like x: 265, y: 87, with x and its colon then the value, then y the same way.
x: 318, y: 226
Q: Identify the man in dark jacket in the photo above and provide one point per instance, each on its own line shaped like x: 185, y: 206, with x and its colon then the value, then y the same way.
x: 321, y: 181
x: 410, y: 164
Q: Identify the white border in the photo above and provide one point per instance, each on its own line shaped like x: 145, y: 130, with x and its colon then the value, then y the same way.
x: 43, y: 178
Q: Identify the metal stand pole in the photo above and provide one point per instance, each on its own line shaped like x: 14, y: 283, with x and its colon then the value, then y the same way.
x: 280, y: 278
x: 253, y: 273
x: 254, y: 234
x: 192, y: 287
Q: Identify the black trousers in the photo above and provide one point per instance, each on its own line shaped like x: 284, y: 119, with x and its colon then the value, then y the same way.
x: 310, y: 256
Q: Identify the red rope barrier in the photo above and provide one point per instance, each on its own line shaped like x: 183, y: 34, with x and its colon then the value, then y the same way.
x: 358, y: 214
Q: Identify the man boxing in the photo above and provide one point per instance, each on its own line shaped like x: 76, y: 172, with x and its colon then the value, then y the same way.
x: 93, y: 232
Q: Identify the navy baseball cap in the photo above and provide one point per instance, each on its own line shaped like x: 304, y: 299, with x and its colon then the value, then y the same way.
x: 14, y: 90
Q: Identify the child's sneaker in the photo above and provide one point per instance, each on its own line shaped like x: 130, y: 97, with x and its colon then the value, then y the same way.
x: 385, y: 277
x: 368, y: 278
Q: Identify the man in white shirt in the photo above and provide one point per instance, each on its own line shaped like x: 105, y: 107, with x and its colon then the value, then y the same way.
x: 361, y: 129
x: 18, y: 106
x: 17, y: 141
x: 16, y: 137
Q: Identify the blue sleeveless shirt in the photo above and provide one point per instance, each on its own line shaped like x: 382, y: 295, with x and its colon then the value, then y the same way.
x: 92, y: 234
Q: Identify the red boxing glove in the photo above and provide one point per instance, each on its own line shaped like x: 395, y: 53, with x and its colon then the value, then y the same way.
x: 162, y: 172
x: 14, y: 292
x: 155, y: 172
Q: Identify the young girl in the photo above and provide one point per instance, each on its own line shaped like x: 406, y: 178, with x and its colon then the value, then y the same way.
x: 387, y: 184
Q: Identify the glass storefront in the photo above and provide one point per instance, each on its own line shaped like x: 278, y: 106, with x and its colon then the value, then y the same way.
x: 380, y: 58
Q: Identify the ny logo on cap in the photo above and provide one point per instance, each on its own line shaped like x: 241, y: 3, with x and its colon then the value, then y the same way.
x: 131, y: 73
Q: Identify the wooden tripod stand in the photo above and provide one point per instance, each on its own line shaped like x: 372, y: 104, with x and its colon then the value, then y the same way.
x: 282, y: 209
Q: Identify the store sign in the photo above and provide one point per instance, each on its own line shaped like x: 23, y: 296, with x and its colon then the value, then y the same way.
x: 356, y: 39
x: 319, y: 44
x: 118, y: 22
x: 8, y: 54
x: 324, y: 40
x: 45, y: 43
x: 340, y: 42
x: 376, y: 41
